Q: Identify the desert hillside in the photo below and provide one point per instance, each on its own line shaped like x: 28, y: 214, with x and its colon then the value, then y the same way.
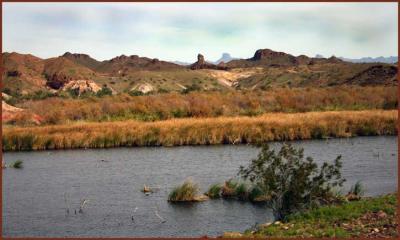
x: 25, y: 73
x: 75, y: 87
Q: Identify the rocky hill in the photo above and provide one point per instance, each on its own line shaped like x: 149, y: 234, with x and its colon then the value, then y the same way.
x: 25, y: 73
x: 22, y: 72
x: 82, y: 59
x: 269, y: 58
x: 123, y: 65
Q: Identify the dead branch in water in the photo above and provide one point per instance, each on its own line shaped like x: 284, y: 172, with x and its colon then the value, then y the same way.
x: 66, y: 204
x: 162, y: 219
x: 83, y: 203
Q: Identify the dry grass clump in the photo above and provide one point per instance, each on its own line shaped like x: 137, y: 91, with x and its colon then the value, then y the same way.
x: 228, y: 190
x: 212, y: 104
x: 203, y: 131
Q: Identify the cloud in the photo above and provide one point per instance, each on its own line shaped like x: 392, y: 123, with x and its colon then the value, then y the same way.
x: 178, y: 31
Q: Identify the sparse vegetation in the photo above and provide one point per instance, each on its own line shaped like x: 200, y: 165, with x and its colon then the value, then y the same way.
x: 369, y: 217
x: 223, y: 130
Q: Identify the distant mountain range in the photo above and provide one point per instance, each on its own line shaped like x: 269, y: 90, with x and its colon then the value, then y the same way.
x: 226, y: 57
x: 391, y: 59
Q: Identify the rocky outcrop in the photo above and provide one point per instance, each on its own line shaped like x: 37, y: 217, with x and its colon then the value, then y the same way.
x: 7, y: 108
x: 202, y: 64
x: 375, y: 75
x: 11, y: 114
x: 332, y: 60
x: 82, y: 86
x: 273, y: 58
x: 303, y: 60
x: 76, y: 55
x: 5, y: 96
x: 143, y: 87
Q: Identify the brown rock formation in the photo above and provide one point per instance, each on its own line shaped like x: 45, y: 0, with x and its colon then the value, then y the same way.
x: 82, y: 86
x: 202, y: 64
x: 274, y: 58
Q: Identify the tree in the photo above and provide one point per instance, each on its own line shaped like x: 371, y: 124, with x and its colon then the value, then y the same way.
x: 292, y: 182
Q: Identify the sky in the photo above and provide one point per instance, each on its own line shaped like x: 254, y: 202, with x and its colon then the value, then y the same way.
x: 179, y: 31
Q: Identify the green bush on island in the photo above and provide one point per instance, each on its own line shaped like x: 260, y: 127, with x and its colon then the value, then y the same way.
x: 257, y: 195
x: 238, y: 190
x: 293, y: 183
x: 241, y: 191
x: 229, y: 188
x: 17, y: 164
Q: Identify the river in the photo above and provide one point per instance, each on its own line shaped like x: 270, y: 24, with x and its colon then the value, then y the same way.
x: 35, y: 198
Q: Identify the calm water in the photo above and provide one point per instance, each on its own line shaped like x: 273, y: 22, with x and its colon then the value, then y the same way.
x: 35, y: 198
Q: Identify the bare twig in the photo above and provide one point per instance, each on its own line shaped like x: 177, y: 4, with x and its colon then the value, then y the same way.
x: 66, y: 203
x: 162, y: 219
x: 83, y: 203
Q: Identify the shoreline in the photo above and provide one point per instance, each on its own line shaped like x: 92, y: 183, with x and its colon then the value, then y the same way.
x: 194, y: 145
x: 369, y: 217
x: 203, y: 131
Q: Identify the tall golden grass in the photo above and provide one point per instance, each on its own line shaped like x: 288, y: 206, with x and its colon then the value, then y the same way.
x: 196, y: 131
x: 212, y: 104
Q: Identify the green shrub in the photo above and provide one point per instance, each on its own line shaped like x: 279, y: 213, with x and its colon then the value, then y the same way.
x: 255, y: 194
x: 294, y: 183
x: 135, y: 93
x: 229, y: 188
x: 105, y: 91
x: 214, y: 191
x: 191, y: 88
x: 241, y: 191
x: 357, y: 189
x: 17, y: 164
x: 186, y: 192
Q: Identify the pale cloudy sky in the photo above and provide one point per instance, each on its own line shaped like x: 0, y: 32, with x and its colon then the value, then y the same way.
x: 178, y: 31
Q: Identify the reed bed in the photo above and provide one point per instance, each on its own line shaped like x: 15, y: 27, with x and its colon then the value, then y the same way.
x: 203, y: 131
x: 210, y: 104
